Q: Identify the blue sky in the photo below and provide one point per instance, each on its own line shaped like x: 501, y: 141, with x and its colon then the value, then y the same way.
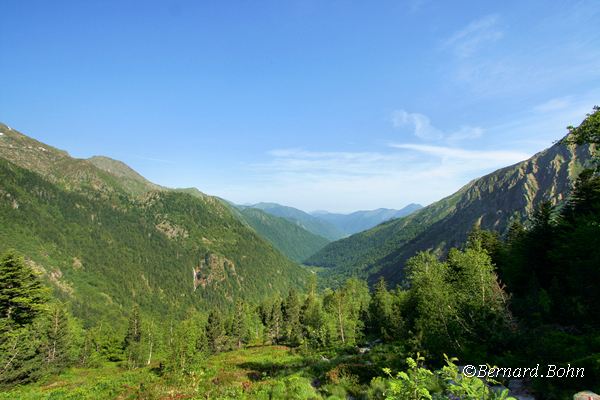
x: 335, y: 105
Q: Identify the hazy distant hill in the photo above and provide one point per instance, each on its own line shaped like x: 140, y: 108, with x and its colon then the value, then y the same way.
x: 105, y: 237
x: 309, y: 222
x: 491, y: 201
x: 362, y: 220
x: 291, y: 239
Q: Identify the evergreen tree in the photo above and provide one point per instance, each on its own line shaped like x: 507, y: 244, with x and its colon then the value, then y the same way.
x: 381, y: 311
x: 215, y: 331
x: 293, y: 329
x: 239, y: 328
x: 312, y: 317
x: 22, y: 300
x: 57, y: 338
x: 272, y: 316
x: 132, y: 343
x: 22, y: 295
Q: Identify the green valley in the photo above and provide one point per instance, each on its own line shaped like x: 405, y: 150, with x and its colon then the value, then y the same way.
x: 113, y: 287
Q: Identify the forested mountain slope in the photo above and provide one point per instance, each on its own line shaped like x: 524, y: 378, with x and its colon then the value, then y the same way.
x: 291, y: 239
x: 309, y: 222
x: 491, y: 202
x: 106, y: 241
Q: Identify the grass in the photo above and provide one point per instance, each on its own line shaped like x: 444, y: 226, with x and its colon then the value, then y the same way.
x: 254, y: 373
x: 261, y: 372
x: 105, y: 382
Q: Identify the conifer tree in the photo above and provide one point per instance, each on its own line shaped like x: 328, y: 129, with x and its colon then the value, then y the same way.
x: 22, y: 302
x: 239, y: 328
x: 293, y: 329
x: 133, y: 339
x: 57, y: 338
x: 215, y: 331
x: 312, y: 316
x: 380, y: 311
x: 22, y: 295
x: 273, y: 319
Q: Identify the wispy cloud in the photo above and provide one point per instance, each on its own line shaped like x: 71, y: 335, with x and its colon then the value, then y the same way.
x: 346, y: 181
x: 401, y: 172
x: 489, y: 157
x: 487, y: 66
x: 420, y: 124
x: 328, y: 163
x: 475, y: 35
x: 423, y: 128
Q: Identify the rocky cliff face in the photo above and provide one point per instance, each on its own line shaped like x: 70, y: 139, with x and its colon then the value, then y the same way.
x: 491, y: 201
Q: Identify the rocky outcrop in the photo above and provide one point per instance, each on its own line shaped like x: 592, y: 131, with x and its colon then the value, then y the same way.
x: 213, y: 269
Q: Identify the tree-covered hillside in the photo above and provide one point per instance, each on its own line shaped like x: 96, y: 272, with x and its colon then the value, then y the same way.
x: 292, y: 240
x: 490, y: 202
x: 309, y: 222
x: 103, y: 249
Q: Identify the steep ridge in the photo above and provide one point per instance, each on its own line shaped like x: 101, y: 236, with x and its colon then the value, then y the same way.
x: 103, y: 248
x: 134, y: 182
x: 491, y: 202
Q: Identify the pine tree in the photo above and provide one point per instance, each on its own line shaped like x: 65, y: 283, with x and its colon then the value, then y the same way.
x: 22, y: 295
x: 215, y: 331
x: 293, y: 328
x: 239, y: 331
x: 380, y: 310
x: 22, y: 300
x: 272, y: 317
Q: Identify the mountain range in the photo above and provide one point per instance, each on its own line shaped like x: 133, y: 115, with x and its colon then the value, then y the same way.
x: 104, y: 237
x: 334, y: 226
x: 362, y: 220
x: 490, y: 202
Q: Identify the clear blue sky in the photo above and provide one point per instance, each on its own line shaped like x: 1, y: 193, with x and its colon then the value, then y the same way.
x: 336, y: 105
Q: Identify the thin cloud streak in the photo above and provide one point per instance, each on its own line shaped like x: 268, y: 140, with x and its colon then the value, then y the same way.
x: 462, y: 154
x: 471, y: 38
x: 402, y: 172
